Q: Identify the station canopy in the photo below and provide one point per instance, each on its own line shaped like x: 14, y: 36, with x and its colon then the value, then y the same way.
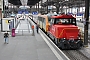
x: 24, y: 7
x: 15, y: 2
x: 69, y: 3
x: 23, y: 2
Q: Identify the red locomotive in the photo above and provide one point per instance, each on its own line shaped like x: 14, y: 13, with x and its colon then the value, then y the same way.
x: 64, y: 32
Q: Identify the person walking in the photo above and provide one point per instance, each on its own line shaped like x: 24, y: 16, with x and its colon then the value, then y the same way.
x: 6, y: 36
x: 37, y: 27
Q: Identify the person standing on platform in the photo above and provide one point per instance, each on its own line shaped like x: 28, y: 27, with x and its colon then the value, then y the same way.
x: 37, y: 27
x: 6, y: 37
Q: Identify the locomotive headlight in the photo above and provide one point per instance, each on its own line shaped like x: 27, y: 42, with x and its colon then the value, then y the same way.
x: 64, y: 38
x: 78, y: 37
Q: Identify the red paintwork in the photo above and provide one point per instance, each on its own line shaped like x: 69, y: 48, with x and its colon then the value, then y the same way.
x: 68, y: 31
x: 64, y: 31
x: 63, y: 16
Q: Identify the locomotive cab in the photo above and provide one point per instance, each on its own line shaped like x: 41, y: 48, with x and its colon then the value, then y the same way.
x: 64, y: 32
x: 63, y: 21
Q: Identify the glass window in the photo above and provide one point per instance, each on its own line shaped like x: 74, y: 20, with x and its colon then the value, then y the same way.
x: 65, y: 21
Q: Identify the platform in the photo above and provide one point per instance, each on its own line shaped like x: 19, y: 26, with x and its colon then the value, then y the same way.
x: 27, y: 47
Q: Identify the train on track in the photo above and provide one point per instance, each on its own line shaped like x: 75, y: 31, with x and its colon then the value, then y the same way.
x: 62, y: 29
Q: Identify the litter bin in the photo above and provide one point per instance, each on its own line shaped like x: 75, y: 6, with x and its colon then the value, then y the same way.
x: 13, y: 32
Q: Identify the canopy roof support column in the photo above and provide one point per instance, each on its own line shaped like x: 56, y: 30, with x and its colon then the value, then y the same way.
x: 38, y: 7
x: 86, y: 22
x: 47, y: 6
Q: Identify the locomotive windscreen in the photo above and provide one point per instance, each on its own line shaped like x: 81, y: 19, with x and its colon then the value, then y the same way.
x: 64, y: 21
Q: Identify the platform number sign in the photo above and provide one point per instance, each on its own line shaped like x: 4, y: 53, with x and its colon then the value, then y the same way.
x: 35, y: 13
x: 8, y: 21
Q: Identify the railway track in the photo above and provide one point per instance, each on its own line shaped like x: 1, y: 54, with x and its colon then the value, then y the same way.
x: 75, y: 55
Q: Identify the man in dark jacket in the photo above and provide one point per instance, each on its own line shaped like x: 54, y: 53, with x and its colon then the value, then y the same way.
x: 37, y: 27
x: 6, y: 36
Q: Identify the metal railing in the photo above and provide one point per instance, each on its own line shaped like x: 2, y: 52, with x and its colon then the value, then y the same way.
x: 24, y: 32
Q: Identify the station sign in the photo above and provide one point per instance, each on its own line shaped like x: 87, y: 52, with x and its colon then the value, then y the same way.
x: 7, y: 24
x: 8, y: 21
x: 35, y: 13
